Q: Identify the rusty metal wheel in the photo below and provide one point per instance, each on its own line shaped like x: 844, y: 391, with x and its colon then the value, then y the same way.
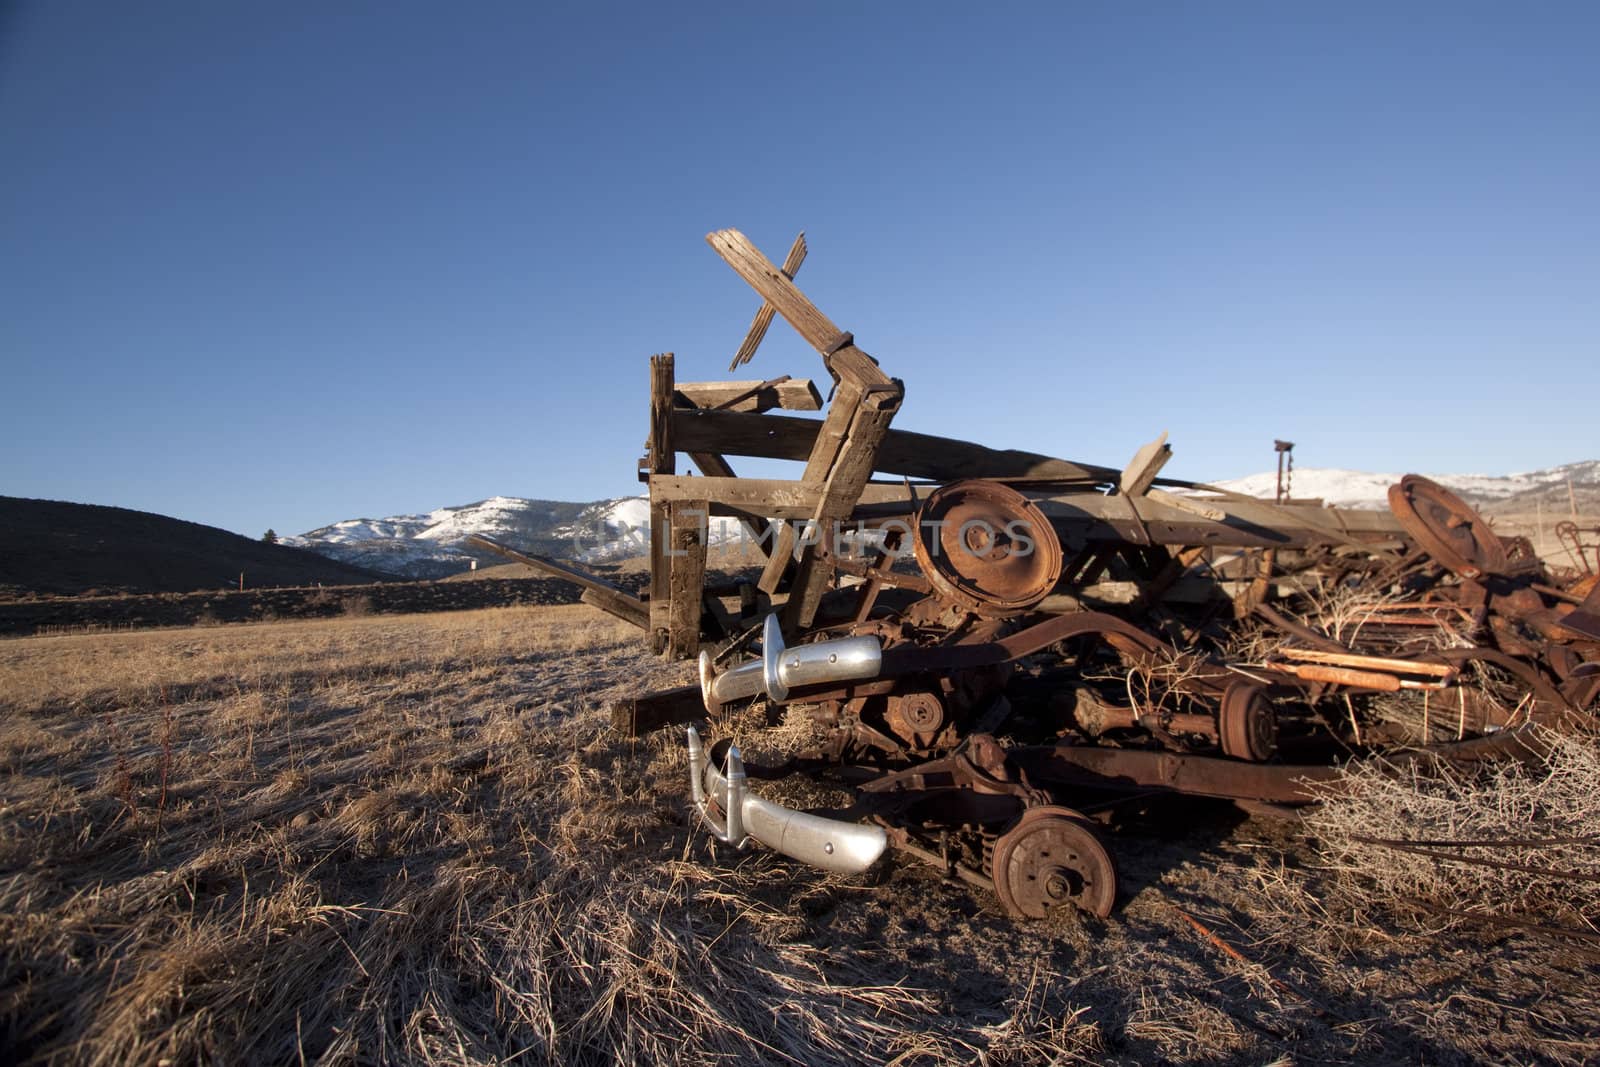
x: 1248, y: 724
x: 1053, y: 857
x: 1457, y: 537
x: 986, y: 547
x: 915, y: 718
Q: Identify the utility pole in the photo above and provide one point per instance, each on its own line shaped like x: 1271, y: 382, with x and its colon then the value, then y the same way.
x: 1285, y: 451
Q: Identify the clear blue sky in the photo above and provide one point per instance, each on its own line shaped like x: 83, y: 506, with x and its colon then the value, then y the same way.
x: 279, y: 264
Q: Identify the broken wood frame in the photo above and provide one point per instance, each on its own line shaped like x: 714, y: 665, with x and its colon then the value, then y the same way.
x: 711, y: 421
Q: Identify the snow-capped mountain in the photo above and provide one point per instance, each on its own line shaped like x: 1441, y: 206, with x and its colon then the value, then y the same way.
x: 428, y: 545
x: 1488, y: 492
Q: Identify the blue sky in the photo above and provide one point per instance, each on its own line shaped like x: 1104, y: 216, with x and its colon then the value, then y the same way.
x: 282, y: 264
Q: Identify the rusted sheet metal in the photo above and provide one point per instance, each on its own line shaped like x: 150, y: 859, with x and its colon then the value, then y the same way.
x: 1585, y: 621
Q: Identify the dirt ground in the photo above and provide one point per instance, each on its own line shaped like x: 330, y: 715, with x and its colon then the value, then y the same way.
x: 415, y: 839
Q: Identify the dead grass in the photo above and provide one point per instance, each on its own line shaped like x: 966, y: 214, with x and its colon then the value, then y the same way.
x: 1425, y: 832
x: 415, y: 840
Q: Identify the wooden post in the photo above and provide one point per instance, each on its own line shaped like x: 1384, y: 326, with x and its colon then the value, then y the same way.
x: 687, y: 579
x: 661, y: 460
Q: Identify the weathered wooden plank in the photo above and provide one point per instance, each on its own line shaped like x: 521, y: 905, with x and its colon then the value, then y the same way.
x: 661, y: 459
x: 628, y: 609
x: 774, y: 497
x: 791, y: 394
x: 777, y: 290
x: 759, y: 531
x: 1186, y: 504
x: 846, y: 480
x: 637, y: 716
x: 1082, y: 516
x: 1090, y: 517
x: 687, y: 578
x: 596, y: 591
x: 826, y: 442
x: 1141, y: 471
x: 853, y: 364
x: 763, y: 320
x: 916, y: 455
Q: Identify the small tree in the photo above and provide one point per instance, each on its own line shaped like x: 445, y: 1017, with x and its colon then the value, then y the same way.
x: 270, y: 537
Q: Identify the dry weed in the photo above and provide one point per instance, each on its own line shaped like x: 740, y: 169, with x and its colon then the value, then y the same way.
x: 1432, y: 832
x: 414, y: 840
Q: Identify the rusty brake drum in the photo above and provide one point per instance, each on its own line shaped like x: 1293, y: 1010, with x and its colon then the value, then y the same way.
x: 986, y: 547
x: 1456, y: 536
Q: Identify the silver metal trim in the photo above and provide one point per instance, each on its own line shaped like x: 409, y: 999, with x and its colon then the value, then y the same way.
x: 780, y: 669
x: 831, y: 844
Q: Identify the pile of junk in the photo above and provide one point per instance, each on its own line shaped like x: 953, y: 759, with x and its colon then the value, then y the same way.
x: 996, y: 648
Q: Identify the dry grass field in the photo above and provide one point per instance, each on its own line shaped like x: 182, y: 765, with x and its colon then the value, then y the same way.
x: 415, y: 840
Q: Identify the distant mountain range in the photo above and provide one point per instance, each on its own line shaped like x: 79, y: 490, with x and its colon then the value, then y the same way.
x: 1491, y: 494
x: 428, y: 544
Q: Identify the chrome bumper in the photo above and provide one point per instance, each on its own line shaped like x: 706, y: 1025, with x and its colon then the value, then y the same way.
x: 779, y: 669
x: 831, y: 844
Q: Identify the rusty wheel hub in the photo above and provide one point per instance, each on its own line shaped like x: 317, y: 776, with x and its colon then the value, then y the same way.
x: 1050, y: 858
x: 1249, y: 727
x: 1444, y: 525
x: 986, y: 547
x: 917, y: 718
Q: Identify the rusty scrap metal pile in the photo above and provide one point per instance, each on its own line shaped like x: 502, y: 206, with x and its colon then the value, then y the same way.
x: 997, y: 646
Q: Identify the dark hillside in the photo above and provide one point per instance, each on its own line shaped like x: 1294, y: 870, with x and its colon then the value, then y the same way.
x: 57, y: 548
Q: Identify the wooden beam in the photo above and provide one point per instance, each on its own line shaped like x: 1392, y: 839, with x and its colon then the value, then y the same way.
x: 1082, y: 516
x: 629, y: 609
x: 687, y: 580
x: 915, y: 455
x: 637, y: 716
x: 596, y: 591
x: 846, y: 480
x: 776, y: 498
x: 1141, y: 471
x: 778, y: 290
x: 826, y: 443
x: 791, y: 394
x: 763, y: 319
x: 758, y: 530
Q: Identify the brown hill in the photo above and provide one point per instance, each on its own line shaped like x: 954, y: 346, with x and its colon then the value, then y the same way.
x: 55, y: 548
